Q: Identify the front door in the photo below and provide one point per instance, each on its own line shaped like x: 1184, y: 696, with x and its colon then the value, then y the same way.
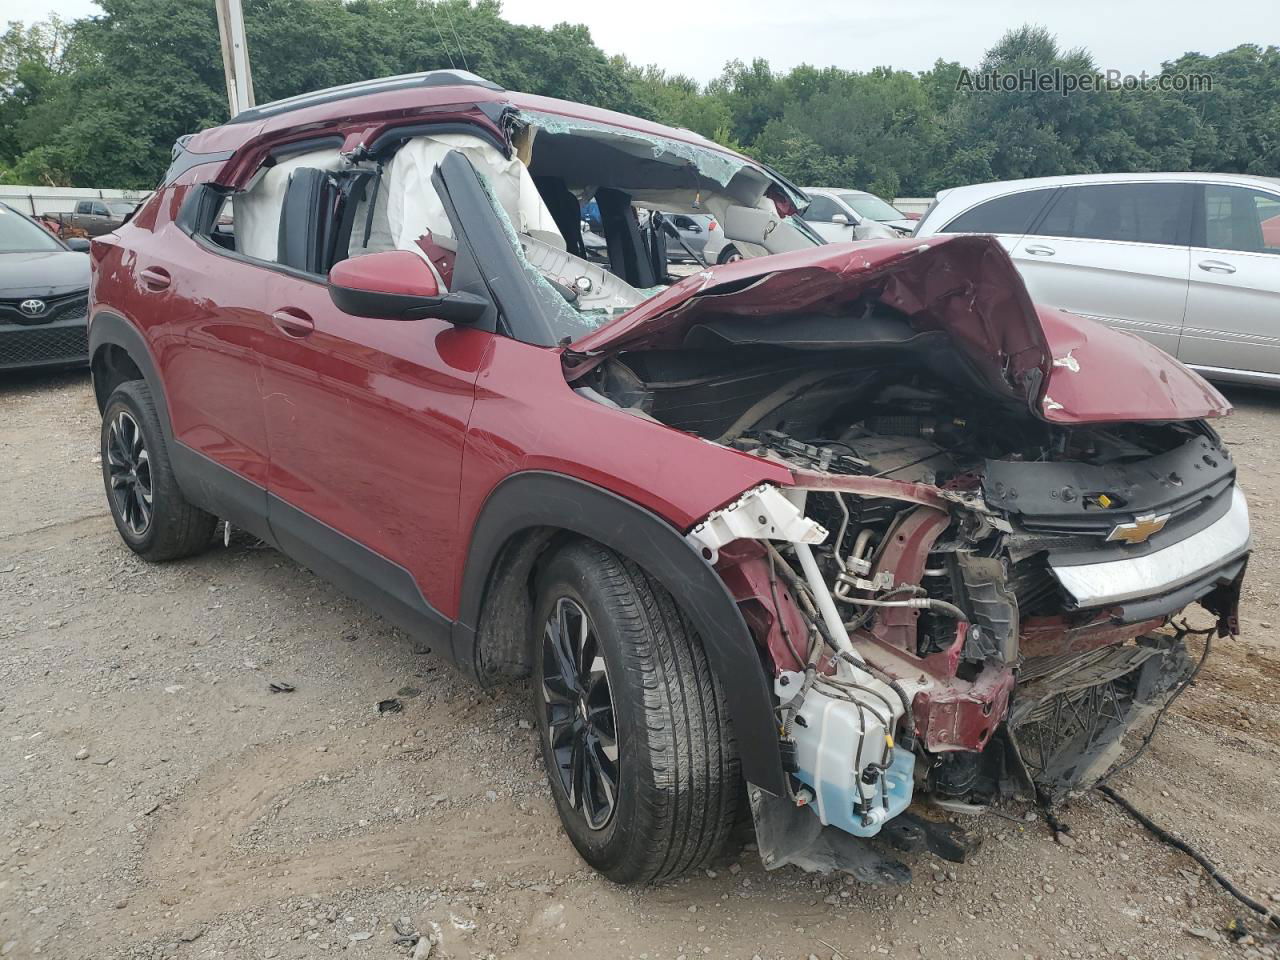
x: 1233, y: 308
x: 820, y: 216
x: 365, y: 423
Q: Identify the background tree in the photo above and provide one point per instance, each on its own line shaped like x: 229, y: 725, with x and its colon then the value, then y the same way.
x: 99, y: 101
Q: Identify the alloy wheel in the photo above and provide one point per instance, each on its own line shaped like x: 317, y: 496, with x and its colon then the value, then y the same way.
x: 129, y: 469
x: 580, y: 728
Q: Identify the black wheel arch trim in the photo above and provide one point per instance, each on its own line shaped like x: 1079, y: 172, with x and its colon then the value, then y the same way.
x: 107, y: 328
x: 542, y: 499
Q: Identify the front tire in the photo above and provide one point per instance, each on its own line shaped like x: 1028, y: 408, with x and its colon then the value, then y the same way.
x: 153, y: 517
x: 635, y: 735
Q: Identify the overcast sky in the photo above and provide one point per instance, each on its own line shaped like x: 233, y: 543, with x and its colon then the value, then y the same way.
x: 696, y: 37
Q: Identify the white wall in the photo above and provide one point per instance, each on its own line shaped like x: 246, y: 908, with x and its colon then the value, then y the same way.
x: 35, y: 200
x: 913, y: 204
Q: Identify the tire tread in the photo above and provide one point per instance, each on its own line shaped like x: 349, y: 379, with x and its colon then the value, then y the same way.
x: 179, y: 528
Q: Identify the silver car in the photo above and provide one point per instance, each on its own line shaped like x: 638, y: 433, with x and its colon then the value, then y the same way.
x: 839, y: 215
x: 1190, y: 261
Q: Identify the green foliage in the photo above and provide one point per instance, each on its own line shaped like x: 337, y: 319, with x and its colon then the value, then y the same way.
x: 100, y: 101
x: 106, y: 110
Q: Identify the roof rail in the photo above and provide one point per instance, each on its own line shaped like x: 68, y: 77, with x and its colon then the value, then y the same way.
x: 405, y: 81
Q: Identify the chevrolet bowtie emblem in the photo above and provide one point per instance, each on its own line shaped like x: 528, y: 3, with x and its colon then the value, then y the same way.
x: 1138, y: 531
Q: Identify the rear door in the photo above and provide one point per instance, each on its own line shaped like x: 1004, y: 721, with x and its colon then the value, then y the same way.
x: 1114, y: 252
x: 1233, y: 308
x: 205, y: 323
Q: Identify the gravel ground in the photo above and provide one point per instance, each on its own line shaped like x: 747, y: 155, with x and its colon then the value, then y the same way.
x: 156, y: 799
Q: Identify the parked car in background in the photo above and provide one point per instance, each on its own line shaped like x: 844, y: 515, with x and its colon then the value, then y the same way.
x: 695, y: 230
x: 839, y: 215
x: 44, y: 292
x: 1190, y: 261
x: 92, y: 218
x: 814, y: 529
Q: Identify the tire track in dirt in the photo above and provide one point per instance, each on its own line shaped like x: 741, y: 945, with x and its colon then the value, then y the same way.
x: 203, y: 858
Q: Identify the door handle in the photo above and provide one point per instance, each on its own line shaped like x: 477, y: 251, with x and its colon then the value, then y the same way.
x: 1216, y: 266
x: 1039, y: 250
x: 293, y: 323
x: 155, y: 278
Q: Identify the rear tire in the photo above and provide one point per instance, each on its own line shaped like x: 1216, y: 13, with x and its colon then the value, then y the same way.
x: 729, y: 254
x: 153, y: 517
x: 653, y: 788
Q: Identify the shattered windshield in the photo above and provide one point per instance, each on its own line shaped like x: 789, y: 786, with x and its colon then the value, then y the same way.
x: 560, y: 295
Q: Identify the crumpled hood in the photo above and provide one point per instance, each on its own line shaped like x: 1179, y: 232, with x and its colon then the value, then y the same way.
x: 1066, y: 368
x: 1102, y: 375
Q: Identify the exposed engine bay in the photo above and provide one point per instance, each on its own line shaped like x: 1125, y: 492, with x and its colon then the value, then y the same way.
x: 958, y: 599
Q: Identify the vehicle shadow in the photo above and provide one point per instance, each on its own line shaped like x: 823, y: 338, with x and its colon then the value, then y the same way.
x: 31, y: 381
x: 1244, y: 396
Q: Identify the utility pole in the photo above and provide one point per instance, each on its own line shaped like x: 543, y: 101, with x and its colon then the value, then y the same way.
x: 235, y: 55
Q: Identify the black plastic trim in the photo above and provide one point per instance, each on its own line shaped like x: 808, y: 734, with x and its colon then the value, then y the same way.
x: 540, y: 499
x: 221, y: 491
x: 1033, y: 491
x: 489, y: 246
x: 105, y: 328
x: 199, y: 208
x: 356, y: 570
x: 184, y: 160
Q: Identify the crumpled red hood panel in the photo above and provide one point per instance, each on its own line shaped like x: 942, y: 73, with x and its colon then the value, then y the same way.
x: 965, y: 285
x: 1102, y: 375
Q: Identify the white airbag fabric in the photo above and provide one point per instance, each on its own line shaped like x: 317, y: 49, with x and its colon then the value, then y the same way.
x: 257, y: 211
x: 418, y: 208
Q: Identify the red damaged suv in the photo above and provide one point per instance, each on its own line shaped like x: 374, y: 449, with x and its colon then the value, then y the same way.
x: 824, y: 531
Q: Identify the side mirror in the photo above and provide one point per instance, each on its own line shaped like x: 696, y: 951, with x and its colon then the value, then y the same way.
x: 840, y: 218
x: 398, y: 285
x: 78, y: 244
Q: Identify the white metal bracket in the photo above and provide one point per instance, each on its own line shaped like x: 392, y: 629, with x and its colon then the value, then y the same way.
x: 762, y: 513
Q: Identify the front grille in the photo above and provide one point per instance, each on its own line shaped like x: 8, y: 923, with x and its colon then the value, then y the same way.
x: 1035, y: 586
x: 71, y: 306
x: 43, y: 345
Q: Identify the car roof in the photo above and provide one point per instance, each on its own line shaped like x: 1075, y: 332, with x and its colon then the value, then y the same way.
x: 409, y: 93
x: 998, y: 187
x: 954, y: 201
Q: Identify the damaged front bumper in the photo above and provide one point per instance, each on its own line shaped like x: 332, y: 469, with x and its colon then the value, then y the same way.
x: 974, y: 699
x: 1189, y: 567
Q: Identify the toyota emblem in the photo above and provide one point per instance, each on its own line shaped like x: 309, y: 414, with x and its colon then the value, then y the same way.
x: 32, y: 308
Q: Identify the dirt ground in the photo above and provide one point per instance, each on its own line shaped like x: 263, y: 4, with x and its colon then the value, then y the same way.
x: 156, y: 799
